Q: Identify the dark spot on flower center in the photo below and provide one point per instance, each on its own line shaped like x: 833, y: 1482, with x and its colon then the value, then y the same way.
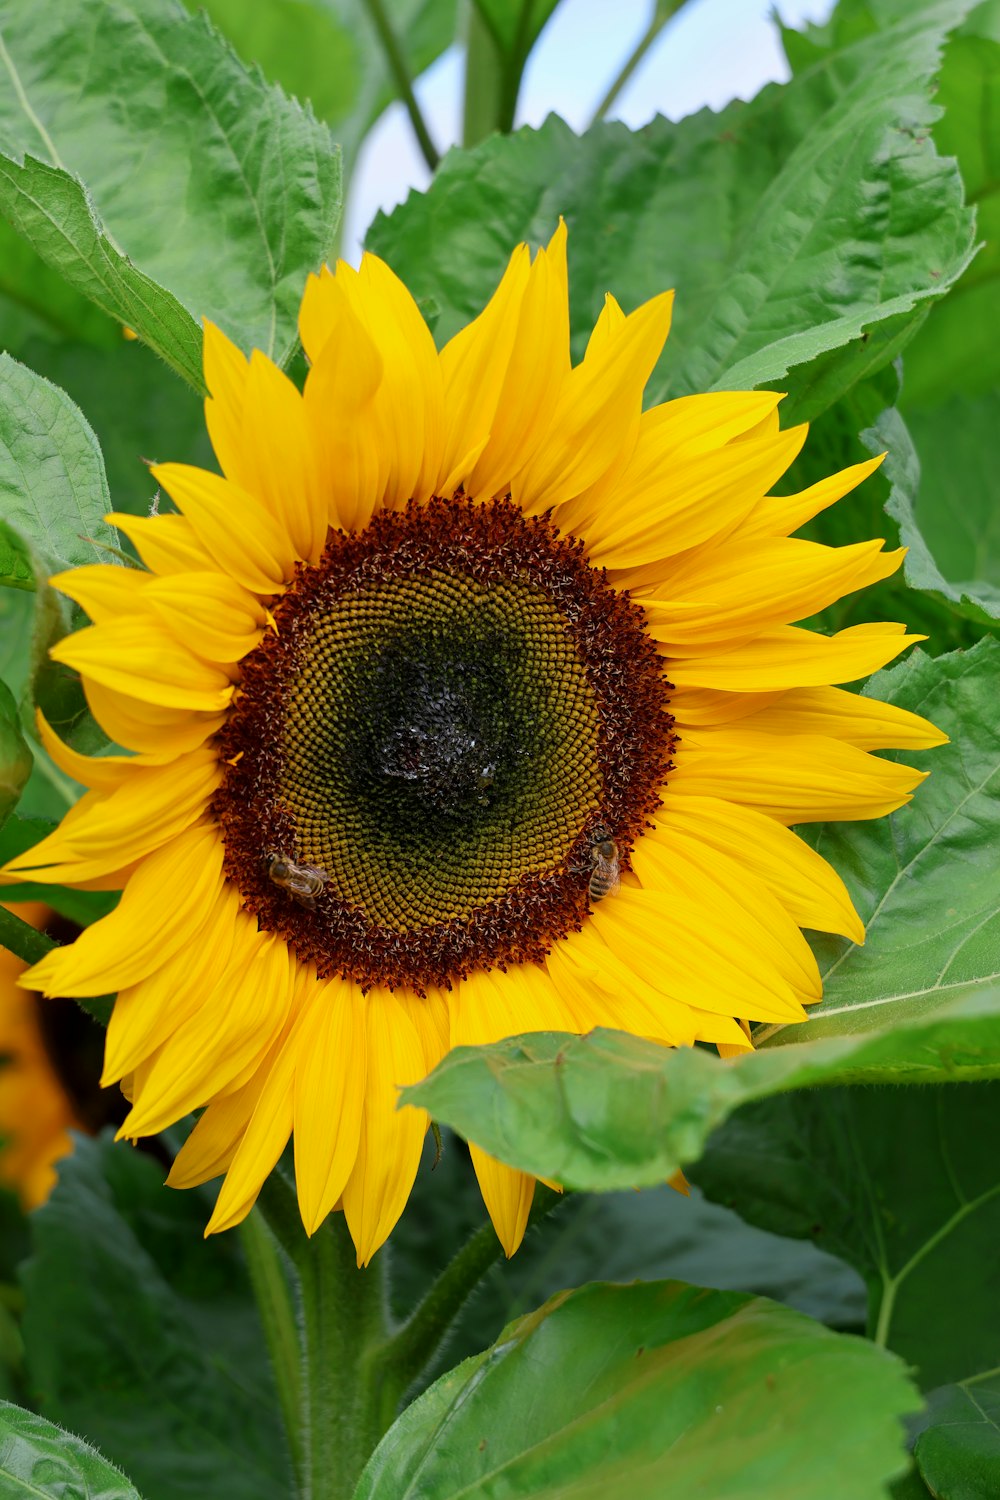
x: 453, y: 702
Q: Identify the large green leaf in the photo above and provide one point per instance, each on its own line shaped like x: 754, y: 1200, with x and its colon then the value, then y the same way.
x: 329, y: 52
x: 805, y: 231
x: 958, y: 1449
x: 143, y: 1336
x: 653, y: 1235
x: 650, y: 1390
x: 902, y: 1183
x: 161, y: 178
x: 38, y: 1460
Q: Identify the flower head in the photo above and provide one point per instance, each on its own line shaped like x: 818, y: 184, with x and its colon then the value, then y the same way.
x: 465, y: 702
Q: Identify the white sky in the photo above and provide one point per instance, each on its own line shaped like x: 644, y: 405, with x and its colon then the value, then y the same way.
x: 714, y: 51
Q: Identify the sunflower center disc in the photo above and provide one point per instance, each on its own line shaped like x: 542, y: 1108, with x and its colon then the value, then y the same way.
x: 452, y: 702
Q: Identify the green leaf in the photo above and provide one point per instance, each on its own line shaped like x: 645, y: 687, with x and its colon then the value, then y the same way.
x: 15, y: 757
x: 52, y: 484
x: 902, y: 1183
x: 144, y: 1336
x: 957, y: 353
x: 159, y: 177
x: 328, y: 51
x: 650, y: 1390
x: 944, y: 499
x: 805, y: 232
x: 38, y: 1459
x: 958, y: 1449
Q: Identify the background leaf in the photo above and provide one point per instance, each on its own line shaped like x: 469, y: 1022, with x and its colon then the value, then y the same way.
x: 143, y: 1335
x: 647, y: 1390
x: 208, y: 194
x: 804, y: 231
x: 902, y: 1183
x: 39, y: 1459
x: 958, y: 1448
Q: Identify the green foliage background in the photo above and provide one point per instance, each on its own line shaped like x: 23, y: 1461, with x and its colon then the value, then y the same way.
x: 837, y: 238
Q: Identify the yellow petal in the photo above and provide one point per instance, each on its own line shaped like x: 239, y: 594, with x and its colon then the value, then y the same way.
x: 209, y: 613
x: 391, y: 1140
x: 163, y: 907
x: 235, y: 528
x: 340, y: 394
x: 538, y: 368
x: 596, y: 420
x: 783, y: 656
x: 728, y: 592
x: 330, y: 1078
x: 102, y: 772
x: 166, y: 544
x: 779, y: 515
x: 136, y: 655
x: 810, y: 890
x: 473, y: 367
x: 804, y: 778
x: 159, y: 734
x: 110, y: 832
x: 865, y: 722
x: 103, y: 591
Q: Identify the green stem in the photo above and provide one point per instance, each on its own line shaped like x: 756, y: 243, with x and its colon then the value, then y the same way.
x: 20, y: 938
x: 485, y: 66
x: 410, y: 1350
x: 663, y: 11
x: 401, y: 76
x: 341, y: 1411
x: 273, y: 1295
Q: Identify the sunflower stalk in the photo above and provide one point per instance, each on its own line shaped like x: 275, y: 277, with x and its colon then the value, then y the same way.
x: 409, y: 1351
x: 273, y: 1295
x: 342, y: 1409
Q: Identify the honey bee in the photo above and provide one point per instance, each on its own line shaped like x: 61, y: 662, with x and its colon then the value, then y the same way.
x: 303, y: 882
x: 605, y: 870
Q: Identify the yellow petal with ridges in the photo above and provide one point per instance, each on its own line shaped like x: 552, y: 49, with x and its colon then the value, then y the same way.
x: 391, y: 1140
x: 163, y: 907
x: 153, y: 805
x: 596, y: 420
x: 804, y: 778
x: 473, y: 368
x: 810, y: 890
x: 779, y: 515
x: 781, y: 580
x: 166, y: 544
x: 212, y: 615
x: 340, y: 394
x: 235, y: 528
x: 158, y: 734
x: 136, y: 655
x: 330, y: 1082
x: 783, y: 656
x: 102, y: 590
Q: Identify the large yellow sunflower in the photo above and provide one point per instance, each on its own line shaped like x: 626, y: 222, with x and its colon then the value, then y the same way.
x: 455, y: 640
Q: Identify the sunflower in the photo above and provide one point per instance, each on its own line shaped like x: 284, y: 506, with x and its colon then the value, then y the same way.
x: 464, y: 702
x: 36, y: 1112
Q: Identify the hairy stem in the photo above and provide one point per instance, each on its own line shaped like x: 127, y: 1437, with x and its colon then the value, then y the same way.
x: 273, y: 1294
x: 412, y: 1347
x: 341, y: 1411
x: 483, y: 105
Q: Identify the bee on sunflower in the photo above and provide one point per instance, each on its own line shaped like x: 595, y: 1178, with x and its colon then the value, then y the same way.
x: 449, y: 629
